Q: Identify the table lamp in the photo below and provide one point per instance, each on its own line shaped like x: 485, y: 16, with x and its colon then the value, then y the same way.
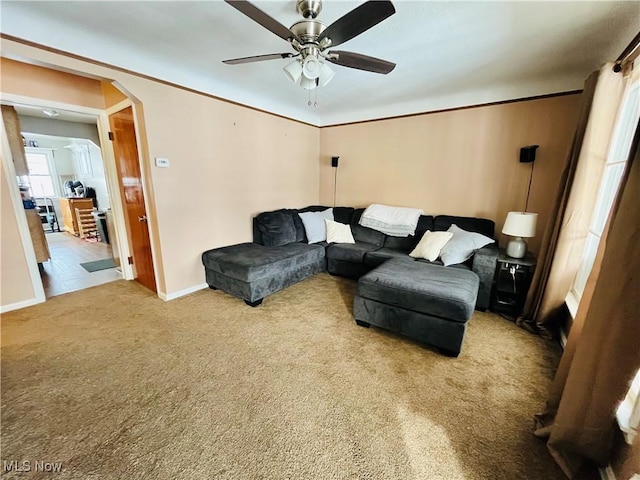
x: 519, y: 225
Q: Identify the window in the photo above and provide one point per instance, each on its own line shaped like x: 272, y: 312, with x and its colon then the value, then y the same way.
x: 42, y: 177
x: 611, y: 176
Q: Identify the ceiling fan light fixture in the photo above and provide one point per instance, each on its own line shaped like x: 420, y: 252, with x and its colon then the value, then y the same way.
x: 310, y: 38
x: 326, y: 74
x: 293, y: 71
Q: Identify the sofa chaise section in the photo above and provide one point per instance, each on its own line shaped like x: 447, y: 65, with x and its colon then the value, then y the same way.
x: 251, y: 271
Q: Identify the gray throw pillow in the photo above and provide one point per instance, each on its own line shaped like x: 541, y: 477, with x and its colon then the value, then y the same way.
x: 277, y: 228
x: 314, y: 225
x: 462, y: 245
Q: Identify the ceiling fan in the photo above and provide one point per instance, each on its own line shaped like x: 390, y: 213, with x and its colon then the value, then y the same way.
x: 310, y: 39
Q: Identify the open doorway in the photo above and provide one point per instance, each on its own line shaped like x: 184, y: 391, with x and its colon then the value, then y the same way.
x: 67, y: 185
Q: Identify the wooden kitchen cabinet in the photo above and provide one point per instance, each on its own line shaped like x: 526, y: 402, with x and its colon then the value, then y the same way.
x: 68, y: 208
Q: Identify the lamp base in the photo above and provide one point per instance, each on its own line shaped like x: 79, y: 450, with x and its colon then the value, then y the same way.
x: 517, y: 248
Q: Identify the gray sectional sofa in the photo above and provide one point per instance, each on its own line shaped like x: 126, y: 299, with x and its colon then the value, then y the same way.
x: 436, y: 305
x: 252, y: 271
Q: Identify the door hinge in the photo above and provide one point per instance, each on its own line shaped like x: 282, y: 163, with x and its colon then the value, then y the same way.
x: 111, y: 136
x: 130, y: 260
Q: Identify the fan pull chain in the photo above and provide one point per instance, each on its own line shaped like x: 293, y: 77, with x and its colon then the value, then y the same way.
x: 315, y: 97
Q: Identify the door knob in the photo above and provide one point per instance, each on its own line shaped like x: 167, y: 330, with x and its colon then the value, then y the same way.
x: 143, y: 218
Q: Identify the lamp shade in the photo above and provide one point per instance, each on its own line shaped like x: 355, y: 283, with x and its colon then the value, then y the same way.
x: 293, y: 71
x: 311, y: 67
x: 308, y: 83
x: 520, y: 224
x: 326, y: 74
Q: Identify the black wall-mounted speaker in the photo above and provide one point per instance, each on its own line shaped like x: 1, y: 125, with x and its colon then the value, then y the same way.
x: 528, y: 154
x: 334, y: 161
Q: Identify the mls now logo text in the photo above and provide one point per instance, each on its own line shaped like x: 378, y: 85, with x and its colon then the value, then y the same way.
x: 29, y: 466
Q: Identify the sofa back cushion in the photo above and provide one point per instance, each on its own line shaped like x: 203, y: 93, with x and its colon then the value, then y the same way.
x: 407, y: 244
x: 471, y: 224
x: 276, y: 228
x: 365, y: 234
x: 341, y: 214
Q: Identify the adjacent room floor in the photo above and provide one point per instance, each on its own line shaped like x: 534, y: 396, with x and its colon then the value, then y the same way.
x: 63, y: 272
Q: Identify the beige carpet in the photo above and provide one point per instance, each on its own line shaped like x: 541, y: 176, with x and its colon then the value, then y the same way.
x: 117, y: 384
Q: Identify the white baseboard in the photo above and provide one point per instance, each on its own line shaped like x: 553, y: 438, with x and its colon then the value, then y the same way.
x: 18, y: 305
x: 607, y: 473
x: 182, y: 293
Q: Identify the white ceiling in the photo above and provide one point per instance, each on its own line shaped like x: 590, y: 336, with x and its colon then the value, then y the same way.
x: 448, y: 54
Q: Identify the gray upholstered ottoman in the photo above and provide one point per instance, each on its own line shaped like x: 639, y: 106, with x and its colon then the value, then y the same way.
x: 251, y: 272
x: 429, y: 303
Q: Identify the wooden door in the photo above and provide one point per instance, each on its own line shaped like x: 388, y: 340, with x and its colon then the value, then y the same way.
x: 123, y: 135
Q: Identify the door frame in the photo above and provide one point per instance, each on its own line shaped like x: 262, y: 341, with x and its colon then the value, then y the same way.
x: 111, y: 177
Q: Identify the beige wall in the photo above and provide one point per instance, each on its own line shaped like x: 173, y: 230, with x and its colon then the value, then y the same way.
x: 461, y: 162
x: 227, y: 162
x: 111, y: 94
x: 24, y: 79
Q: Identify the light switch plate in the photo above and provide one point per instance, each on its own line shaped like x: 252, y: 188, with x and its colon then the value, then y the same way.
x: 162, y: 162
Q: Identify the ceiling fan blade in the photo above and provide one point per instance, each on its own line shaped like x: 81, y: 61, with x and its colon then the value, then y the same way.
x: 361, y: 62
x: 358, y: 20
x: 258, y: 58
x: 258, y: 16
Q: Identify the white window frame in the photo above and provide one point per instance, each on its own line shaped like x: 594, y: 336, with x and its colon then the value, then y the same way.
x: 612, y: 173
x: 51, y: 166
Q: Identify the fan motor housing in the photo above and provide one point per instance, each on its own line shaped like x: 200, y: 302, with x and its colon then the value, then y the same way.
x: 308, y: 30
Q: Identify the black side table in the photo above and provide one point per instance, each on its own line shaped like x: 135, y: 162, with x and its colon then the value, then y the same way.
x: 511, y: 284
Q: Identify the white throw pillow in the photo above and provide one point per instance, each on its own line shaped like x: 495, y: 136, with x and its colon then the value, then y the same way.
x: 430, y: 245
x: 462, y: 245
x: 338, y: 232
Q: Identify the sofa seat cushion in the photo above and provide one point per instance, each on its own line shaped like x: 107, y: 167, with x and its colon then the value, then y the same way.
x: 378, y: 257
x: 350, y: 252
x: 249, y: 261
x: 421, y: 287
